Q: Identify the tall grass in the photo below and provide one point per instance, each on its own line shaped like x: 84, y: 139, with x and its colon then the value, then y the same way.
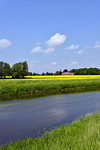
x: 83, y: 134
x: 22, y: 88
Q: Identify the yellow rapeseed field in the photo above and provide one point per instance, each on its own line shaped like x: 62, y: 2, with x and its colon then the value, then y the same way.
x: 63, y: 77
x: 58, y: 77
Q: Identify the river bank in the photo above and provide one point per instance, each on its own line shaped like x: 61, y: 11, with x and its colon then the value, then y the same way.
x: 23, y: 88
x: 81, y: 134
x: 24, y: 118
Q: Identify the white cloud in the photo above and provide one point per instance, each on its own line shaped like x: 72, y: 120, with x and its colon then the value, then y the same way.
x: 56, y: 40
x: 97, y: 44
x: 71, y: 47
x: 37, y: 49
x: 74, y: 63
x: 54, y: 63
x: 4, y: 43
x: 49, y: 50
x: 52, y: 43
x: 81, y: 51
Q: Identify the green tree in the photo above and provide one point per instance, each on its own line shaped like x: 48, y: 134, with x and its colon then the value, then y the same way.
x: 1, y: 69
x: 60, y: 73
x: 6, y: 70
x: 17, y: 70
x: 65, y: 70
x: 47, y: 73
x: 24, y: 69
x: 72, y: 70
x: 57, y: 72
x: 43, y: 74
x: 29, y: 73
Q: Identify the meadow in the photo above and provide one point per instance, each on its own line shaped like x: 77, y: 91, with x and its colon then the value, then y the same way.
x: 34, y: 86
x: 80, y: 135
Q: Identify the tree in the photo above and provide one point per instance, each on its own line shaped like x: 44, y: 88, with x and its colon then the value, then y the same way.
x: 57, y: 72
x: 6, y: 69
x: 43, y: 74
x: 34, y: 74
x: 72, y: 70
x: 1, y: 69
x: 20, y: 69
x: 65, y: 70
x: 47, y: 73
x: 24, y: 69
x: 29, y: 73
x: 60, y: 73
x: 17, y: 70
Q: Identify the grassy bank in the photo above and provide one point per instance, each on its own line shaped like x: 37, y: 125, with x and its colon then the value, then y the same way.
x: 80, y: 135
x: 23, y: 88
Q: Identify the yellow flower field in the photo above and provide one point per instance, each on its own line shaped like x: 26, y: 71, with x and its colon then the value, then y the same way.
x: 63, y: 77
x: 58, y: 77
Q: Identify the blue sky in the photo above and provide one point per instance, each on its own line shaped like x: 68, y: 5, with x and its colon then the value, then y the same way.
x: 50, y: 34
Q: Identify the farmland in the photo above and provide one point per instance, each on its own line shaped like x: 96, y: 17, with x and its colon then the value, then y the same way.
x: 34, y: 86
x: 63, y: 77
x: 59, y: 77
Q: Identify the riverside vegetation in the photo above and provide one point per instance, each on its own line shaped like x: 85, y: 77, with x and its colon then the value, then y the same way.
x: 46, y: 85
x: 80, y: 135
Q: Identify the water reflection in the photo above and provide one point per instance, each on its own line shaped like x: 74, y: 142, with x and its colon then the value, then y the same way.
x: 24, y: 118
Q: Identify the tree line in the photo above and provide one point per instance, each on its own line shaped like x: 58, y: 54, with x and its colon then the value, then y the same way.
x: 81, y: 71
x: 18, y: 70
x: 86, y: 71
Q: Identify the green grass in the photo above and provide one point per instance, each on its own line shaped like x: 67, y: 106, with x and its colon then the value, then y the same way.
x: 83, y: 134
x: 15, y: 89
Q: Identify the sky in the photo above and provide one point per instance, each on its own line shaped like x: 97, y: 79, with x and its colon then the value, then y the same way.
x: 50, y: 35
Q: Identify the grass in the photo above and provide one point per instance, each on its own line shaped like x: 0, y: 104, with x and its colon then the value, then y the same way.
x: 83, y: 134
x: 28, y: 88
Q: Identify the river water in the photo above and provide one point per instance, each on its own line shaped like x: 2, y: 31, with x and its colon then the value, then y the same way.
x: 25, y: 118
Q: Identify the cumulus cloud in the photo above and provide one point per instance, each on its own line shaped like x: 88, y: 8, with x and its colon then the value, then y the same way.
x: 74, y: 63
x: 71, y: 47
x: 81, y: 51
x: 37, y: 49
x: 4, y: 43
x: 52, y: 43
x: 56, y: 40
x: 54, y: 63
x: 49, y: 50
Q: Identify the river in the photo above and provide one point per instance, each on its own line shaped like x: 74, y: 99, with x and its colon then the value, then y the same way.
x: 25, y: 118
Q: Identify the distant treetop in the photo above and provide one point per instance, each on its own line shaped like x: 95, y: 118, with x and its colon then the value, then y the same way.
x: 65, y: 70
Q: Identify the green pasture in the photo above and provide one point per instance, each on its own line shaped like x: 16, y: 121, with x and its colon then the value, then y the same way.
x: 22, y: 88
